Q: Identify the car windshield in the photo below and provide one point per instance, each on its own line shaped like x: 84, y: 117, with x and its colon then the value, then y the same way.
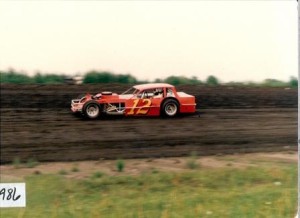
x: 132, y: 91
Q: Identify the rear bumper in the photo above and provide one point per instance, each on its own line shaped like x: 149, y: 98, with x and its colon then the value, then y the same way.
x: 187, y: 108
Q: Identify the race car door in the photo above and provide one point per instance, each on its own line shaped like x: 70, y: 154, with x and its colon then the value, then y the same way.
x: 145, y: 103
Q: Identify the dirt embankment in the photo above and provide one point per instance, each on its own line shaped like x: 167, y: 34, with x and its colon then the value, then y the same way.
x: 59, y: 96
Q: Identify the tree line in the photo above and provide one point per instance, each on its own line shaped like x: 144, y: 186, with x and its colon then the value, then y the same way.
x: 11, y: 76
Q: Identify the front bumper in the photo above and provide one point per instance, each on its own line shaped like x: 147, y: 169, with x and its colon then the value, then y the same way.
x: 76, y: 106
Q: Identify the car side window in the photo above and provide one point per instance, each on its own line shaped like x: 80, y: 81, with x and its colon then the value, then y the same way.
x: 145, y: 94
x: 158, y: 93
x: 151, y: 93
x: 148, y: 93
x: 170, y: 93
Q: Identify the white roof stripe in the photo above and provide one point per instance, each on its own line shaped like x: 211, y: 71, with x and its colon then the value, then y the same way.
x: 153, y: 85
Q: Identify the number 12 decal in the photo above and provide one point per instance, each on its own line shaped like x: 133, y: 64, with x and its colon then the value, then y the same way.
x: 141, y: 110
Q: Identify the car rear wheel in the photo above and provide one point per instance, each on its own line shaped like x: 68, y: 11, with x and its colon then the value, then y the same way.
x: 91, y: 110
x: 170, y: 108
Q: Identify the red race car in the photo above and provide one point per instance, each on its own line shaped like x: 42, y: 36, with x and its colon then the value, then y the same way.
x: 155, y: 99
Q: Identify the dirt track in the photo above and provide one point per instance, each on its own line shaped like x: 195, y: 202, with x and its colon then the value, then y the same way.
x: 36, y: 123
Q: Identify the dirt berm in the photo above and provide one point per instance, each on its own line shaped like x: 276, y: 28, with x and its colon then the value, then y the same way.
x: 59, y: 96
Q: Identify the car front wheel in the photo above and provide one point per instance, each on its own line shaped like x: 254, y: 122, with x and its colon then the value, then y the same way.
x: 91, y: 110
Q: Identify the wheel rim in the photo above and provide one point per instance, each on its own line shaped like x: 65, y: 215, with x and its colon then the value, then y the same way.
x: 92, y: 110
x: 171, y: 109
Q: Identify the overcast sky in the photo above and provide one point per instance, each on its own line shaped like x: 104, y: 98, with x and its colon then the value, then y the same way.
x: 233, y: 40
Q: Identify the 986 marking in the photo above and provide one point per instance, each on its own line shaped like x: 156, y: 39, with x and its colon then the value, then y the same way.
x: 12, y: 195
x: 9, y: 194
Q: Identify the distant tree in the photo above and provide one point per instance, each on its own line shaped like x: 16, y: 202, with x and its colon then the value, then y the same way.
x: 53, y: 78
x: 90, y: 77
x: 38, y: 78
x: 232, y: 83
x: 195, y: 80
x: 182, y: 80
x: 212, y: 81
x: 158, y: 80
x: 107, y: 77
x: 174, y: 80
x: 98, y: 77
x: 14, y: 77
x: 274, y: 83
x: 48, y: 78
x: 293, y: 82
x: 126, y: 79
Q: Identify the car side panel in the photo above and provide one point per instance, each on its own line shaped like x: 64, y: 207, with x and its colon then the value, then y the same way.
x: 142, y: 107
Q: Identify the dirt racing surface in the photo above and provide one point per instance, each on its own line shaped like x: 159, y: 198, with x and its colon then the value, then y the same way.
x: 36, y: 122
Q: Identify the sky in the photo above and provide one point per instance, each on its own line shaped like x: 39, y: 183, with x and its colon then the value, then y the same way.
x: 232, y: 40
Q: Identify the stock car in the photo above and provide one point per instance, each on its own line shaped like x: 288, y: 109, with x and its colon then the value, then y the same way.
x: 154, y: 99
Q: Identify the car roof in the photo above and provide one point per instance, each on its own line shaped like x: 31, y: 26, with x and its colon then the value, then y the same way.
x: 152, y: 86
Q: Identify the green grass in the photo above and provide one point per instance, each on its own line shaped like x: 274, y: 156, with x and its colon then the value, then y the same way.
x: 120, y: 164
x: 16, y: 162
x: 62, y: 172
x: 31, y: 163
x: 251, y: 192
x: 75, y: 168
x: 192, y: 161
x: 97, y: 174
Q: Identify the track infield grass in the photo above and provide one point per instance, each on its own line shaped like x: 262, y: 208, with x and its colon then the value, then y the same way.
x: 266, y: 191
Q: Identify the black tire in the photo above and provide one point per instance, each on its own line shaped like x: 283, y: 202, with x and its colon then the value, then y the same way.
x: 170, y: 108
x: 91, y: 110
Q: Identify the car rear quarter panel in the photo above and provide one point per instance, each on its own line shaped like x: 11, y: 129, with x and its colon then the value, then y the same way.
x: 187, y: 103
